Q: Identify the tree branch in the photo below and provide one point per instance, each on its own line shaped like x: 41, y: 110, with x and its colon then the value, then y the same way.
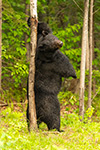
x: 95, y: 94
x: 6, y: 104
x: 96, y: 10
x: 77, y: 5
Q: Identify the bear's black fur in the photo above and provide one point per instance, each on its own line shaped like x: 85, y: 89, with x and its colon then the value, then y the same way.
x: 51, y: 66
x: 42, y: 28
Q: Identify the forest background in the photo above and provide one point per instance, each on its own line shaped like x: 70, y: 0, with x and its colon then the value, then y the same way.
x: 65, y: 17
x: 66, y: 20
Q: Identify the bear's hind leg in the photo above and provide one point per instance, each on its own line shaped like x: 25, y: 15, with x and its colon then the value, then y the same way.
x: 54, y: 123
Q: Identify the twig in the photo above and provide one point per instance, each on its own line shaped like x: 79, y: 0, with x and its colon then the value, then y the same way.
x: 96, y: 10
x: 59, y: 12
x: 2, y: 101
x: 95, y: 94
x: 1, y: 105
x: 77, y: 5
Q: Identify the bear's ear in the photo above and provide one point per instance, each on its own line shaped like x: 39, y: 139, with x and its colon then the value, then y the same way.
x: 44, y: 33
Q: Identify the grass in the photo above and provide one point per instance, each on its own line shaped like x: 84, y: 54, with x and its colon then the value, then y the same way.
x: 77, y: 136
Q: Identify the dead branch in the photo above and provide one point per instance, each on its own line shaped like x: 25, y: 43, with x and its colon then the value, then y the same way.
x: 95, y: 94
x: 77, y: 5
x: 6, y: 104
x: 96, y: 10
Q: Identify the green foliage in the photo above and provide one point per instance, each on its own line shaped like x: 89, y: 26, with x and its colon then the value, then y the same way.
x: 20, y: 71
x: 77, y: 136
x: 41, y: 6
x: 66, y: 22
x: 88, y: 114
x: 67, y: 98
x: 9, y: 95
x: 70, y: 120
x: 70, y: 38
x: 15, y: 68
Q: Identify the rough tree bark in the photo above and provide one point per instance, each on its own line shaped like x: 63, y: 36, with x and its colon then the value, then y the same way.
x: 83, y: 60
x: 0, y: 41
x: 94, y: 79
x: 87, y: 54
x: 27, y: 44
x: 34, y: 22
x: 91, y: 54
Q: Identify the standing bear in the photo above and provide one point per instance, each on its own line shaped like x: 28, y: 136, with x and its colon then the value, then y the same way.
x: 51, y: 65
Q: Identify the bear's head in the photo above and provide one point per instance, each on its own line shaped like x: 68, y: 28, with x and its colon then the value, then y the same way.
x: 49, y: 43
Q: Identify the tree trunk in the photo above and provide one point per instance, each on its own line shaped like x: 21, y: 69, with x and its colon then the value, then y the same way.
x: 27, y: 44
x: 87, y: 54
x: 94, y: 79
x: 91, y: 53
x: 34, y: 22
x: 0, y: 41
x: 83, y: 60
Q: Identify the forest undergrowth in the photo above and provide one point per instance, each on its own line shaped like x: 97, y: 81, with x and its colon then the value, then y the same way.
x: 77, y: 135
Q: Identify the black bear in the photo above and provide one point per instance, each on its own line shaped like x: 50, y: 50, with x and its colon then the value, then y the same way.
x: 42, y: 28
x: 51, y: 66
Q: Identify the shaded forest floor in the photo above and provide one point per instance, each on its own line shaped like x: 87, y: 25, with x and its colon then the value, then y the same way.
x: 77, y: 136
